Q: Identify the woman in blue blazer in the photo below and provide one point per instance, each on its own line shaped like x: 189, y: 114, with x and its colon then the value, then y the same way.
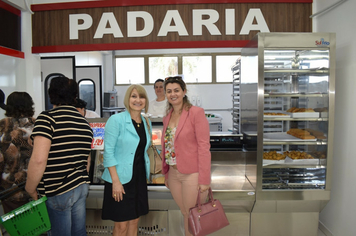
x: 126, y: 163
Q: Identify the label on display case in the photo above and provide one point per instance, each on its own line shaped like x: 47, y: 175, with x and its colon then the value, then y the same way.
x: 98, y: 137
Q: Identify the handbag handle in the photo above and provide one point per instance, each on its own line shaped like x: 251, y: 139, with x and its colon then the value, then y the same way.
x: 211, y: 199
x: 153, y: 146
x: 149, y: 128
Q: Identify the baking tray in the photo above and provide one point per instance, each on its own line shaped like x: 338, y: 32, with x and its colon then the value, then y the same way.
x: 277, y: 116
x: 283, y: 136
x: 315, y: 161
x: 267, y: 162
x: 304, y: 114
x: 324, y: 114
x: 273, y: 162
x: 290, y: 161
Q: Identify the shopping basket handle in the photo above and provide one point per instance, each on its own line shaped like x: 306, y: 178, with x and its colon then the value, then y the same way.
x: 10, y: 191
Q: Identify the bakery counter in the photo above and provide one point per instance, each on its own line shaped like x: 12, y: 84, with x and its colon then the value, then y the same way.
x: 228, y: 181
x: 227, y: 175
x: 229, y: 184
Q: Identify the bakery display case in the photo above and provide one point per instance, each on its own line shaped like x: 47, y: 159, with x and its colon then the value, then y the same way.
x: 287, y: 112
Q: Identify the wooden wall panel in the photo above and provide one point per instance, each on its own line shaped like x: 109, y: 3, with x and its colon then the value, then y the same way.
x: 51, y: 28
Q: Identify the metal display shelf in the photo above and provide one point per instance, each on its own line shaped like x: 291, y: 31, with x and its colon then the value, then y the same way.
x: 294, y: 119
x: 281, y: 71
x: 296, y: 95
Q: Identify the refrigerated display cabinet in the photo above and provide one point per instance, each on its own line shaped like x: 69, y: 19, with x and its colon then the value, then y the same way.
x: 287, y: 111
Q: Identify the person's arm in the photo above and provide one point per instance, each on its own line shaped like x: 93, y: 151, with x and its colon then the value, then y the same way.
x: 37, y: 164
x: 2, y: 146
x: 165, y: 167
x: 204, y: 157
x: 88, y: 162
x: 112, y: 133
x: 118, y: 190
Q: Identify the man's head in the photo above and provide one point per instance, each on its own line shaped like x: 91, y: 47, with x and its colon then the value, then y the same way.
x: 81, y: 106
x: 62, y: 91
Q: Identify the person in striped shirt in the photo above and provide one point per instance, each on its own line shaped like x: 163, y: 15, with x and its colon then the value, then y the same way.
x: 59, y: 165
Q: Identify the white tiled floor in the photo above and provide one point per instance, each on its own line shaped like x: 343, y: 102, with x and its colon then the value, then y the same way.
x: 319, y: 233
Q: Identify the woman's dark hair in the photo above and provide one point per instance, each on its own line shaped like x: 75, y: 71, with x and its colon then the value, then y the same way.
x: 80, y: 103
x: 2, y: 100
x: 158, y: 80
x: 178, y: 80
x: 19, y: 105
x: 63, y: 91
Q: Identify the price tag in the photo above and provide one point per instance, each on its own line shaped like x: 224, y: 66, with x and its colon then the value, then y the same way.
x: 98, y: 139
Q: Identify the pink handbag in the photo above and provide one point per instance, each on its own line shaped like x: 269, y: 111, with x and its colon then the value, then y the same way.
x: 206, y: 218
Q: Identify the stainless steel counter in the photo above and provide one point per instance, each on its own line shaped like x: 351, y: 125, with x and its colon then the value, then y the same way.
x: 229, y: 185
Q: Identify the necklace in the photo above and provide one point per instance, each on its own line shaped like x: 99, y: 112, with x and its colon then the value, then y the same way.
x: 137, y: 124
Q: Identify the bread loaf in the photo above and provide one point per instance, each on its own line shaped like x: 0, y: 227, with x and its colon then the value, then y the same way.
x: 295, y: 109
x: 300, y: 133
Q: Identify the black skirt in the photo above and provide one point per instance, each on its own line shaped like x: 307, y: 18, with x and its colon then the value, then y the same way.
x: 135, y: 201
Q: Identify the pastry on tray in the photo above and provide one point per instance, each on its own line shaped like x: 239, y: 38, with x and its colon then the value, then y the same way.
x: 300, y: 133
x: 295, y: 109
x: 273, y: 155
x: 298, y: 155
x: 322, y: 109
x: 274, y: 114
x: 319, y: 154
x: 316, y: 133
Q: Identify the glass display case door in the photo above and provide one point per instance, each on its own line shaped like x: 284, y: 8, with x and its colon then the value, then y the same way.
x: 295, y: 118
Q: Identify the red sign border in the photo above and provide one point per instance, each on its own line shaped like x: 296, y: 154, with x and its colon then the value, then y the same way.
x: 121, y: 3
x: 148, y: 45
x: 10, y: 8
x: 11, y: 52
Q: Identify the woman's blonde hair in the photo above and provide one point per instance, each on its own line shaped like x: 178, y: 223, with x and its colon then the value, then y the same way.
x: 141, y: 92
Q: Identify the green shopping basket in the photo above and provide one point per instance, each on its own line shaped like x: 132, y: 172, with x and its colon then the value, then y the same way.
x: 29, y: 219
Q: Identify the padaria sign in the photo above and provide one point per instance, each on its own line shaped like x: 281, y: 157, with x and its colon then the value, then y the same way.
x: 172, y: 23
x: 229, y: 24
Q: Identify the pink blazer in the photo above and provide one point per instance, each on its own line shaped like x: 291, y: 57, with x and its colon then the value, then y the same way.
x: 191, y: 144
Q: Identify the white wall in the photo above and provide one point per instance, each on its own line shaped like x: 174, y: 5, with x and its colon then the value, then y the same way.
x: 338, y: 215
x: 9, y: 81
x: 18, y: 74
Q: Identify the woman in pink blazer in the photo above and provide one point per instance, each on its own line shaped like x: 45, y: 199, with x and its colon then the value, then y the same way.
x: 185, y: 148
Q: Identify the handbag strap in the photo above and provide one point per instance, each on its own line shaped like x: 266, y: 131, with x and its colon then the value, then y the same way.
x: 152, y: 145
x: 211, y: 198
x: 149, y: 128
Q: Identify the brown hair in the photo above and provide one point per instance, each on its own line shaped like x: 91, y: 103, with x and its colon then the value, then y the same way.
x: 19, y: 105
x: 178, y: 80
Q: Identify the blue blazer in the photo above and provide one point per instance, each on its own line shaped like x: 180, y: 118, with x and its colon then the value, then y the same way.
x: 120, y: 143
